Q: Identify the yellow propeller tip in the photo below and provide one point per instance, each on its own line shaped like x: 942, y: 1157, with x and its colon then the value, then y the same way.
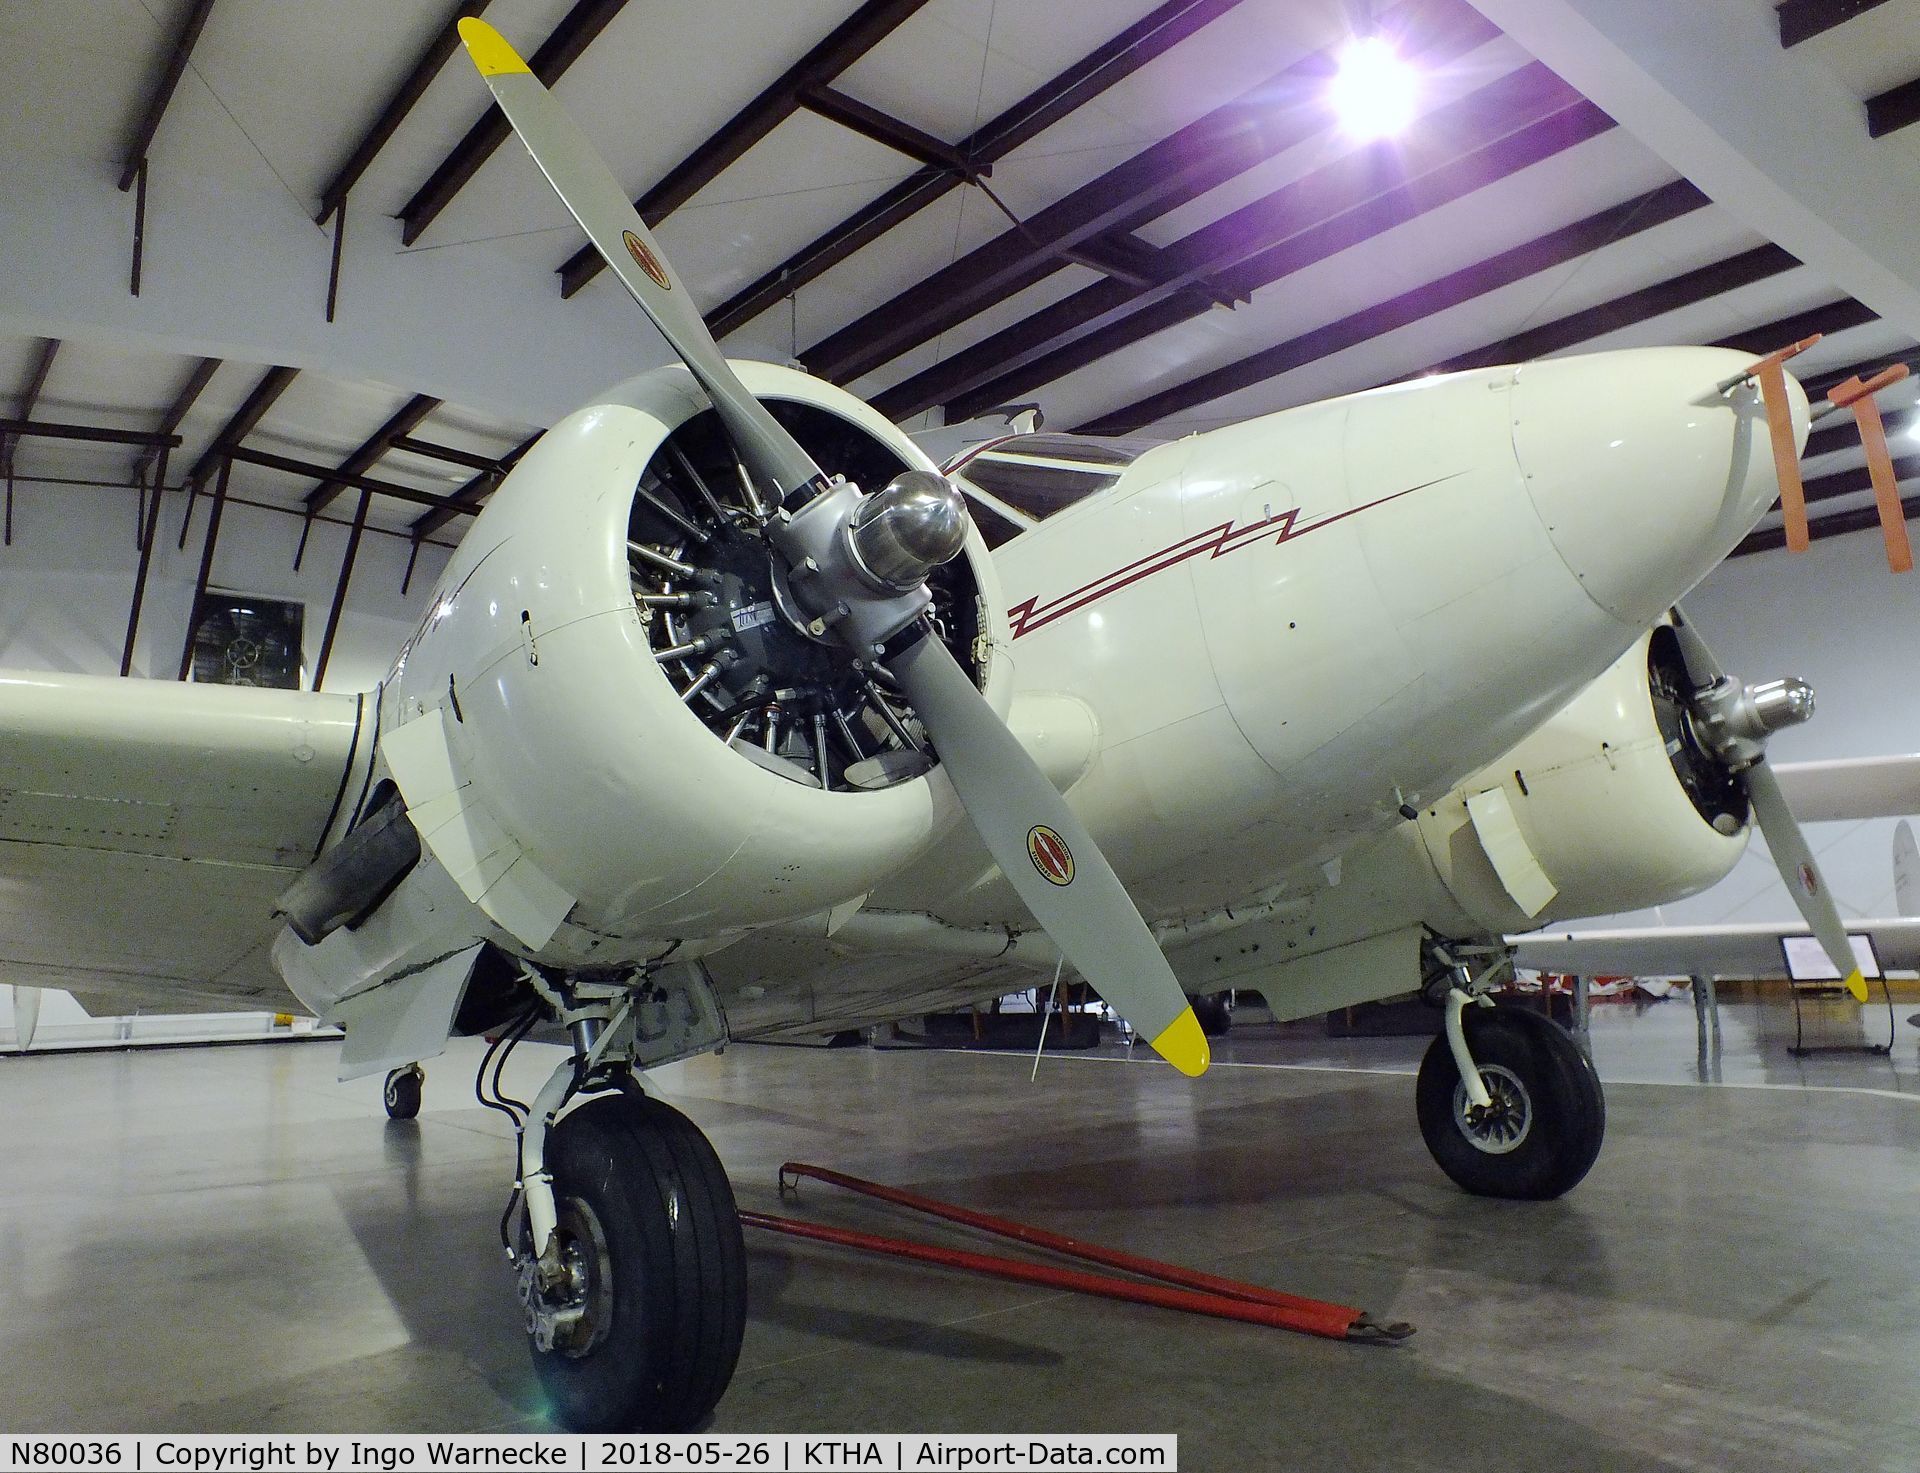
x: 491, y: 52
x: 1857, y: 985
x: 1182, y: 1044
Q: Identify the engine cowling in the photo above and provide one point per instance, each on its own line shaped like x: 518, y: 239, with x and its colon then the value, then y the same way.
x: 1611, y: 805
x: 629, y: 696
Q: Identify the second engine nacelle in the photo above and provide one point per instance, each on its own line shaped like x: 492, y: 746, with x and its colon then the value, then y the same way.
x: 1610, y: 806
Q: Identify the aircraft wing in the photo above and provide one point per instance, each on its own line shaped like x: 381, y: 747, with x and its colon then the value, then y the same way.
x: 1851, y: 787
x: 147, y: 826
x: 1742, y: 950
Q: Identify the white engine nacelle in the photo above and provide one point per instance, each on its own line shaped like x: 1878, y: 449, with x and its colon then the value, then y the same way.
x: 558, y: 726
x: 1610, y: 806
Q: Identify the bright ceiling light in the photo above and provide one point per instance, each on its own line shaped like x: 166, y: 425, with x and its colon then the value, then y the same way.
x: 1373, y: 93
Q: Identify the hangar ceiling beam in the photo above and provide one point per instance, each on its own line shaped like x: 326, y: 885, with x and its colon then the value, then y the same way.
x: 885, y: 129
x: 1819, y: 385
x: 367, y: 484
x: 98, y: 434
x: 395, y: 112
x: 1835, y: 316
x: 1662, y: 297
x: 183, y: 402
x: 1801, y: 20
x: 1855, y: 479
x: 170, y: 73
x: 466, y: 501
x: 432, y: 450
x: 215, y: 512
x: 404, y: 422
x: 1152, y: 36
x: 29, y: 397
x: 347, y: 560
x: 1894, y: 109
x: 273, y: 383
x: 858, y: 34
x: 1774, y: 140
x: 1570, y: 243
x: 1521, y: 118
x: 1858, y: 519
x: 1283, y: 110
x: 558, y: 52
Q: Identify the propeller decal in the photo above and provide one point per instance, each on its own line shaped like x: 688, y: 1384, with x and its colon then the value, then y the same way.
x: 646, y: 260
x: 1050, y: 855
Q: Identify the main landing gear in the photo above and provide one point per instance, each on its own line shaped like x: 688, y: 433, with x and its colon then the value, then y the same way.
x: 402, y: 1093
x: 623, y: 1235
x: 1508, y: 1104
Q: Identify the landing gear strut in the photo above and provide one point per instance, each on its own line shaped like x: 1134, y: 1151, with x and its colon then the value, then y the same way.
x: 627, y: 1253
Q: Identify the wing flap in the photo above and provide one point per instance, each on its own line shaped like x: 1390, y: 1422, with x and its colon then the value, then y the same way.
x: 203, y: 772
x: 146, y: 828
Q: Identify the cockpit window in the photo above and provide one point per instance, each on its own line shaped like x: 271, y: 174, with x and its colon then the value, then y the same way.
x: 1034, y: 476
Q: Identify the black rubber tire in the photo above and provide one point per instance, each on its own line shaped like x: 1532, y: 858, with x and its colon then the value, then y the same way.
x: 1215, y: 1012
x: 678, y: 1269
x: 1569, y: 1111
x: 402, y: 1094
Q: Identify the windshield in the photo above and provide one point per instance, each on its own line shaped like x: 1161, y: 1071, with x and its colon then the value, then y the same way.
x: 1024, y: 479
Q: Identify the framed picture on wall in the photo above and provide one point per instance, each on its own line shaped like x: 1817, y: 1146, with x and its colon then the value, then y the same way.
x: 239, y: 639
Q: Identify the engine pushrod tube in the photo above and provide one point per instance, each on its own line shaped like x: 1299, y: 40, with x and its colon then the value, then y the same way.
x: 691, y: 528
x: 1334, y: 1323
x: 1326, y: 1319
x: 660, y: 559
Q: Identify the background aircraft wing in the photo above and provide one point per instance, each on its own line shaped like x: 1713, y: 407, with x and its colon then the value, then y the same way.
x: 146, y: 828
x: 1841, y: 789
x: 1739, y: 950
x: 1852, y: 787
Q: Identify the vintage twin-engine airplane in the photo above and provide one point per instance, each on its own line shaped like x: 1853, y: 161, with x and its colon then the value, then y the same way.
x: 701, y: 737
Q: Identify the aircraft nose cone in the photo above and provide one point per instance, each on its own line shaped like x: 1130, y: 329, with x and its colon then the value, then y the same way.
x: 1644, y: 475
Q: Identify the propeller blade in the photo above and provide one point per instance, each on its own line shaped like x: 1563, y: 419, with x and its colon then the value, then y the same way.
x: 588, y: 189
x: 1047, y: 853
x: 1702, y: 668
x: 1024, y: 822
x: 26, y: 1016
x: 1788, y: 846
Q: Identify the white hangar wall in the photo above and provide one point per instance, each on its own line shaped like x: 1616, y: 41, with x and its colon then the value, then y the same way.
x: 69, y: 578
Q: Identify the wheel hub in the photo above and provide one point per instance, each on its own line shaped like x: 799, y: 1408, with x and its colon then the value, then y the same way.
x: 1506, y: 1120
x: 570, y: 1309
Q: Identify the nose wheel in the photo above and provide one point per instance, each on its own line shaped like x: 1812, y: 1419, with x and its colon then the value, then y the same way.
x: 402, y: 1092
x: 1540, y: 1130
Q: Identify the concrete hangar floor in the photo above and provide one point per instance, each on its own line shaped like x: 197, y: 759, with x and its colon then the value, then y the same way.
x: 226, y: 1240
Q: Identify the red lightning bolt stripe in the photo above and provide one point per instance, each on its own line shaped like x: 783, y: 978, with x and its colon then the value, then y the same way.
x: 1215, y: 542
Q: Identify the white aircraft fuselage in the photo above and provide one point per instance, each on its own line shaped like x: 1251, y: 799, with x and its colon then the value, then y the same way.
x: 1256, y: 651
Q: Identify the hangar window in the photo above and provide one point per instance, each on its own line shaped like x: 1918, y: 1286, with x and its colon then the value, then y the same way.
x: 1024, y: 479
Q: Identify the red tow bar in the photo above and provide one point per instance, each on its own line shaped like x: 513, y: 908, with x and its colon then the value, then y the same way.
x: 1197, y: 1293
